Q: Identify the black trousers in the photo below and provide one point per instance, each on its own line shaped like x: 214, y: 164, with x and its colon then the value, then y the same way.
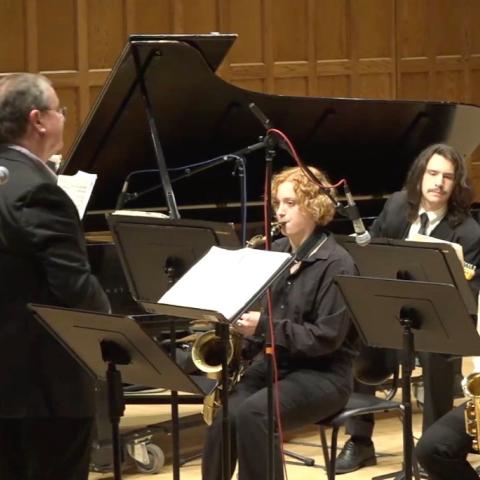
x: 442, y: 451
x: 306, y: 396
x: 45, y: 448
x: 438, y: 378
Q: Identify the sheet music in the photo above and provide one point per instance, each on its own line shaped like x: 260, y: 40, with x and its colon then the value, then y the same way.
x: 225, y: 280
x: 79, y: 188
x: 140, y: 213
x: 425, y: 238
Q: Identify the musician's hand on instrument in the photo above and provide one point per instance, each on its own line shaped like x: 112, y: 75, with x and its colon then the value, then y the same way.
x: 247, y: 323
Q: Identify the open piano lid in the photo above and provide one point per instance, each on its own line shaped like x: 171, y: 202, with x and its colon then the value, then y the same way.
x: 199, y: 116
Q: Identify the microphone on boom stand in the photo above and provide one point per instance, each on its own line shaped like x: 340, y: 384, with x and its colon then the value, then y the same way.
x: 351, y: 211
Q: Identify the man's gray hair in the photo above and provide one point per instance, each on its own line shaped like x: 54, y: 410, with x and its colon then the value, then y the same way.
x: 20, y: 93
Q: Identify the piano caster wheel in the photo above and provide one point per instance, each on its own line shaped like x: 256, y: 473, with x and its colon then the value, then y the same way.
x: 156, y: 460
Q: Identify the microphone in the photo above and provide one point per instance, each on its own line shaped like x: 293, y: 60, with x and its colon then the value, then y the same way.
x: 123, y: 196
x: 261, y: 117
x: 4, y: 175
x: 362, y: 236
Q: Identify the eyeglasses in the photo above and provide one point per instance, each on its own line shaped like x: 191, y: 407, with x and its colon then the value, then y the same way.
x: 60, y: 109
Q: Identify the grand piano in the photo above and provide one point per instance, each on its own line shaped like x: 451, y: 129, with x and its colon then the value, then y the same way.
x: 163, y: 107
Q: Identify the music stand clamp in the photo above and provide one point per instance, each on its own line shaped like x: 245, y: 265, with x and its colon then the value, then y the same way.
x: 131, y: 355
x: 409, y: 316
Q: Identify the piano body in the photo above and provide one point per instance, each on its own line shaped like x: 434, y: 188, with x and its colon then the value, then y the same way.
x: 163, y: 107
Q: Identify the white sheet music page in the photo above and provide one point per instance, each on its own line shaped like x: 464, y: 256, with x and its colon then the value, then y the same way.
x: 79, y: 188
x: 426, y: 238
x: 225, y: 280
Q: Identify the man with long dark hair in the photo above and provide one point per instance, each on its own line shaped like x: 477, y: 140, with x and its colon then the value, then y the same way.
x: 436, y: 201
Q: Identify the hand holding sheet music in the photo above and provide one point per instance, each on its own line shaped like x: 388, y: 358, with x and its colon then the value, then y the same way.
x: 225, y: 280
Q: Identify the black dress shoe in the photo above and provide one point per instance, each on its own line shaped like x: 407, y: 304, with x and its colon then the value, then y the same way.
x: 354, y: 456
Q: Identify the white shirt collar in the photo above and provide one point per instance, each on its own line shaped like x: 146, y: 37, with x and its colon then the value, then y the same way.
x: 434, y: 216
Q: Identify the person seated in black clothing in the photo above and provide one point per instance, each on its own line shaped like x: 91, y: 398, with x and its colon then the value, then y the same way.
x: 313, y: 336
x: 443, y: 448
x: 436, y: 201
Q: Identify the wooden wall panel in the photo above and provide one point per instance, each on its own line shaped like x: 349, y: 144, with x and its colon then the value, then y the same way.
x: 106, y: 32
x: 13, y: 53
x: 292, y: 86
x: 438, y: 39
x: 404, y: 49
x: 69, y: 96
x: 145, y: 16
x: 57, y: 45
x: 333, y: 86
x: 332, y: 33
x: 373, y: 47
x: 249, y: 48
x: 290, y: 38
x: 199, y: 17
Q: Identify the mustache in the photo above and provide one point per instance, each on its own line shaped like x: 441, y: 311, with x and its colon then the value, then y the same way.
x: 437, y: 190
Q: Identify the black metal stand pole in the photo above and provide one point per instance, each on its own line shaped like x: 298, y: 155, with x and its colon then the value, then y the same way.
x: 156, y: 144
x: 116, y: 408
x: 270, y: 153
x: 174, y: 411
x: 407, y: 368
x: 222, y: 331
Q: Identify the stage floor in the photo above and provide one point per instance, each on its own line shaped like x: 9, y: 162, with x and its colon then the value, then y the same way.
x: 387, y: 438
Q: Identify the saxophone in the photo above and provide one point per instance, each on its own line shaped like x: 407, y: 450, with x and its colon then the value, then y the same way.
x: 207, y: 352
x: 471, y: 388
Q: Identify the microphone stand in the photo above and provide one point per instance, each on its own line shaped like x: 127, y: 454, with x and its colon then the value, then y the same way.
x: 270, y: 154
x: 239, y: 157
x: 190, y: 172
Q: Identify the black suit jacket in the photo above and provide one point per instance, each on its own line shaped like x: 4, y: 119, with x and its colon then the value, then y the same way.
x: 393, y: 223
x: 42, y: 260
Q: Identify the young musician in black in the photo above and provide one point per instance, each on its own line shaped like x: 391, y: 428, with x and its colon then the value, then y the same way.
x: 312, y: 335
x: 436, y: 201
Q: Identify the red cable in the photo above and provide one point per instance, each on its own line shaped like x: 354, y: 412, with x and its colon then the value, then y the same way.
x: 300, y: 163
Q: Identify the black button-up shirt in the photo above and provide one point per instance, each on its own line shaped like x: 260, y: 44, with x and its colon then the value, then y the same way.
x: 311, y: 325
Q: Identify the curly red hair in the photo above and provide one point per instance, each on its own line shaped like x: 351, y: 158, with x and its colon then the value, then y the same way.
x: 310, y: 196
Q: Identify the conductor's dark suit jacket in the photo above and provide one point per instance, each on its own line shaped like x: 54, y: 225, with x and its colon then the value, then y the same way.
x: 42, y: 260
x: 393, y: 223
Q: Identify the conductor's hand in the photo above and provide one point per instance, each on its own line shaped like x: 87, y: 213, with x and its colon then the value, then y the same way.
x: 247, y: 323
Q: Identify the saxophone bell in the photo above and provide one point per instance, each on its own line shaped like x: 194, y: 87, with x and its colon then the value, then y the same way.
x: 207, y: 353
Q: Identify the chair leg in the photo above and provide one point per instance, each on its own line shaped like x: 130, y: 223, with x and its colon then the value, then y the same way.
x: 326, y: 455
x: 333, y: 453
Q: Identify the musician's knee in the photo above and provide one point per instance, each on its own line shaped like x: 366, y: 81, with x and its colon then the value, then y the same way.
x: 250, y: 412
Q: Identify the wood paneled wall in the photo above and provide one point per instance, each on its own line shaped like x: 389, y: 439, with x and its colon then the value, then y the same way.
x: 383, y: 49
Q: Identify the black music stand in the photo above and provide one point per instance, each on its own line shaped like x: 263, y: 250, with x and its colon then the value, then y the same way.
x: 409, y: 316
x: 117, y: 349
x: 155, y: 252
x: 409, y: 260
x: 193, y: 290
